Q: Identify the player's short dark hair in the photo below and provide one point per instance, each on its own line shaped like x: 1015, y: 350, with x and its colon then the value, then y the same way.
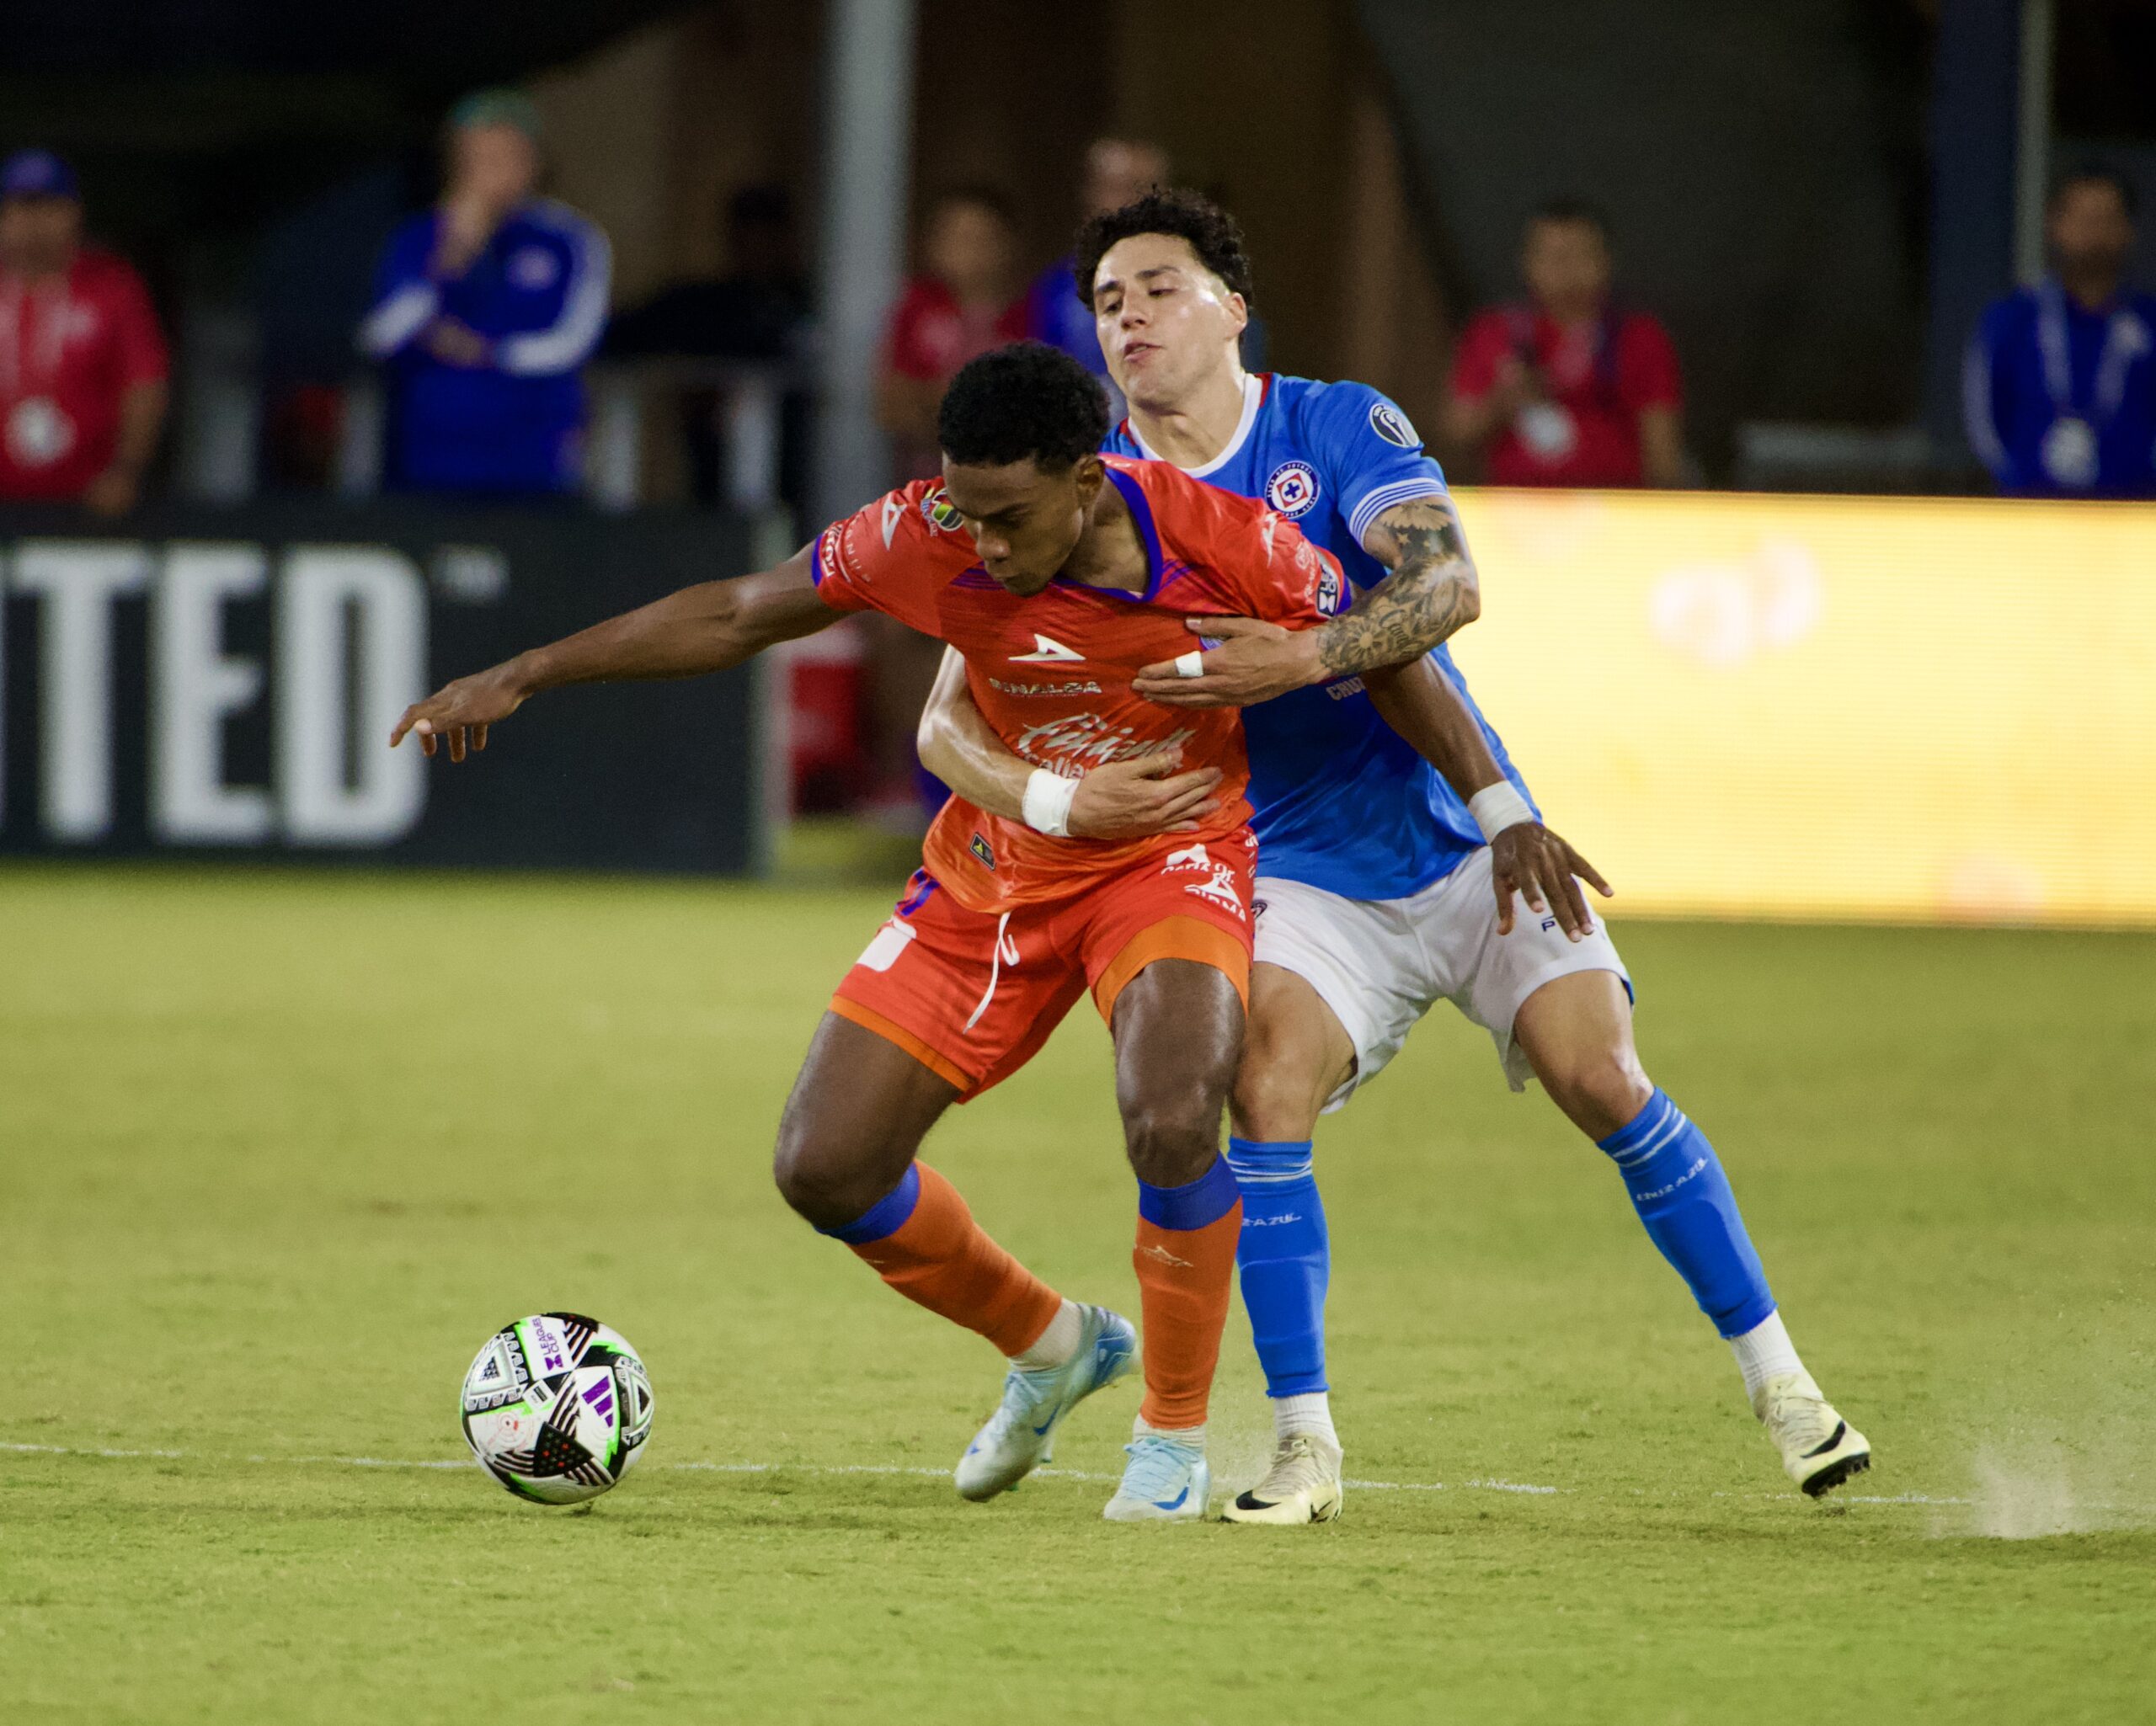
x: 1212, y: 233
x: 1025, y: 402
x: 1571, y: 211
x: 2094, y: 173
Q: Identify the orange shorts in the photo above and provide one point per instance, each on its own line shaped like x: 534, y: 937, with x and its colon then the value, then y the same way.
x: 974, y: 994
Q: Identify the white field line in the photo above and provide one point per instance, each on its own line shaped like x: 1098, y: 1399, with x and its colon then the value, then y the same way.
x: 886, y: 1468
x: 831, y: 1468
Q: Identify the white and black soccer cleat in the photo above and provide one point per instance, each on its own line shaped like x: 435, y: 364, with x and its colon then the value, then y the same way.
x: 1302, y: 1485
x: 1820, y: 1450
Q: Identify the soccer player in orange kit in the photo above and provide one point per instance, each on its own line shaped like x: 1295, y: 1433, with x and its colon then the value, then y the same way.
x: 1057, y: 573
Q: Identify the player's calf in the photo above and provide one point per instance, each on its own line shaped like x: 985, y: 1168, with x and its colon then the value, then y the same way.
x: 846, y: 1162
x: 1178, y: 1028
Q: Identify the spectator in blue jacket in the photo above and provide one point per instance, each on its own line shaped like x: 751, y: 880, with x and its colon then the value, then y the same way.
x: 2060, y: 384
x: 1119, y: 171
x: 486, y: 308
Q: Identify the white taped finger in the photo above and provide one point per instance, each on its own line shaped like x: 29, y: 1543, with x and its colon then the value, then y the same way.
x: 1191, y: 664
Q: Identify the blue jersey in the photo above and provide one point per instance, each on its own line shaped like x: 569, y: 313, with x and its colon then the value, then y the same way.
x: 2061, y: 401
x: 536, y: 294
x: 1344, y: 802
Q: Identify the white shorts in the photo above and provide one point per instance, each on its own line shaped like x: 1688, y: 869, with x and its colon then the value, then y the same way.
x: 1381, y: 964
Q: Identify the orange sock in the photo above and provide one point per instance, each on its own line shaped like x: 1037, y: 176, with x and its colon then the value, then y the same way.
x: 924, y: 1242
x: 1185, y: 1263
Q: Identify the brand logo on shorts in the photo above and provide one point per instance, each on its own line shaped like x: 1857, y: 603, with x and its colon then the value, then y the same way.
x: 980, y: 850
x: 1389, y: 422
x: 1219, y: 883
x: 1292, y: 489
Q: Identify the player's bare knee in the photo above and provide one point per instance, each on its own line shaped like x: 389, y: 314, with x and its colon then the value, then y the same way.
x: 1174, y: 1142
x: 1273, y: 1098
x: 1600, y: 1089
x: 823, y: 1185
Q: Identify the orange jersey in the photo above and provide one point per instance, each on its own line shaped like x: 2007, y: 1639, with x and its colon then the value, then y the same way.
x: 1052, y: 674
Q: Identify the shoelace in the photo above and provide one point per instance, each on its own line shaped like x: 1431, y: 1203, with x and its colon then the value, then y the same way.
x: 1159, y: 1467
x: 1799, y: 1419
x: 1296, y: 1464
x: 1024, y: 1393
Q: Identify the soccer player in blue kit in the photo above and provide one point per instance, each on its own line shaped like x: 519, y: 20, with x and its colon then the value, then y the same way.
x: 1384, y: 885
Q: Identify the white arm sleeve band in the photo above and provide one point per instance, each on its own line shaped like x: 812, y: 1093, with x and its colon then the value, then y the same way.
x: 1048, y: 802
x: 1498, y: 807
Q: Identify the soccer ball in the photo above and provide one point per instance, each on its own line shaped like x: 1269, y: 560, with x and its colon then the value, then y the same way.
x: 557, y: 1407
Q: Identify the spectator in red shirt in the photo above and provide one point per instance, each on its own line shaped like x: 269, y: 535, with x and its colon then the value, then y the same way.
x: 1569, y: 389
x: 968, y: 300
x: 81, y: 361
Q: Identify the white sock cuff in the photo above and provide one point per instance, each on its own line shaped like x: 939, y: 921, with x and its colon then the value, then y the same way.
x: 1765, y: 1351
x: 1140, y: 1428
x: 1308, y: 1414
x: 1055, y: 1345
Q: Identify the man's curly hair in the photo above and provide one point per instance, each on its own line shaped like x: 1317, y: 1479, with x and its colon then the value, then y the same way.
x: 1025, y: 401
x: 1213, y: 235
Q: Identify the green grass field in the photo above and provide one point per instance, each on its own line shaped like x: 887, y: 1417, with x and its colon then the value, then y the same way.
x: 279, y: 1153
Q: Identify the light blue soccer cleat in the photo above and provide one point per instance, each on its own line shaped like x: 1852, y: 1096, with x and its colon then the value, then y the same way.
x: 1166, y: 1480
x: 1021, y: 1434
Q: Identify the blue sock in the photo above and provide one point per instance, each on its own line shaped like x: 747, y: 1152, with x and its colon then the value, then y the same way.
x: 1683, y: 1196
x: 1285, y: 1261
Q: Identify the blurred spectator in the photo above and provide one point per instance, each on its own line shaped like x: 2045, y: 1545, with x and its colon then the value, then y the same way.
x: 486, y: 308
x: 82, y: 364
x: 1568, y: 389
x: 2060, y: 385
x: 757, y: 313
x: 966, y: 300
x: 1119, y: 171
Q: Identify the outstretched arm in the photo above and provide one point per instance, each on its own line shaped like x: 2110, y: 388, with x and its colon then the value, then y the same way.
x: 1121, y: 800
x: 706, y: 627
x: 1431, y: 593
x: 1419, y: 701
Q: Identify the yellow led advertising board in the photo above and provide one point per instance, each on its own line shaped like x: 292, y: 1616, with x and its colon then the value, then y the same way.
x: 1910, y: 709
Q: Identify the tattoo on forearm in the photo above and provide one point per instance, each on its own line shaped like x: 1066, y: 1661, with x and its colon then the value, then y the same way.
x: 1431, y: 593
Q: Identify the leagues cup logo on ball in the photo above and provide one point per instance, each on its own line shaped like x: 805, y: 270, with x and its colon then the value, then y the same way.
x: 557, y: 1407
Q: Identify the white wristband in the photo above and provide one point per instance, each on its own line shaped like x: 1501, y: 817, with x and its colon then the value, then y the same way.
x: 1048, y: 802
x: 1498, y: 807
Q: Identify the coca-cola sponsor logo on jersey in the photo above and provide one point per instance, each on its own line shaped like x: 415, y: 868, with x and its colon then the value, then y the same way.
x: 1091, y: 738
